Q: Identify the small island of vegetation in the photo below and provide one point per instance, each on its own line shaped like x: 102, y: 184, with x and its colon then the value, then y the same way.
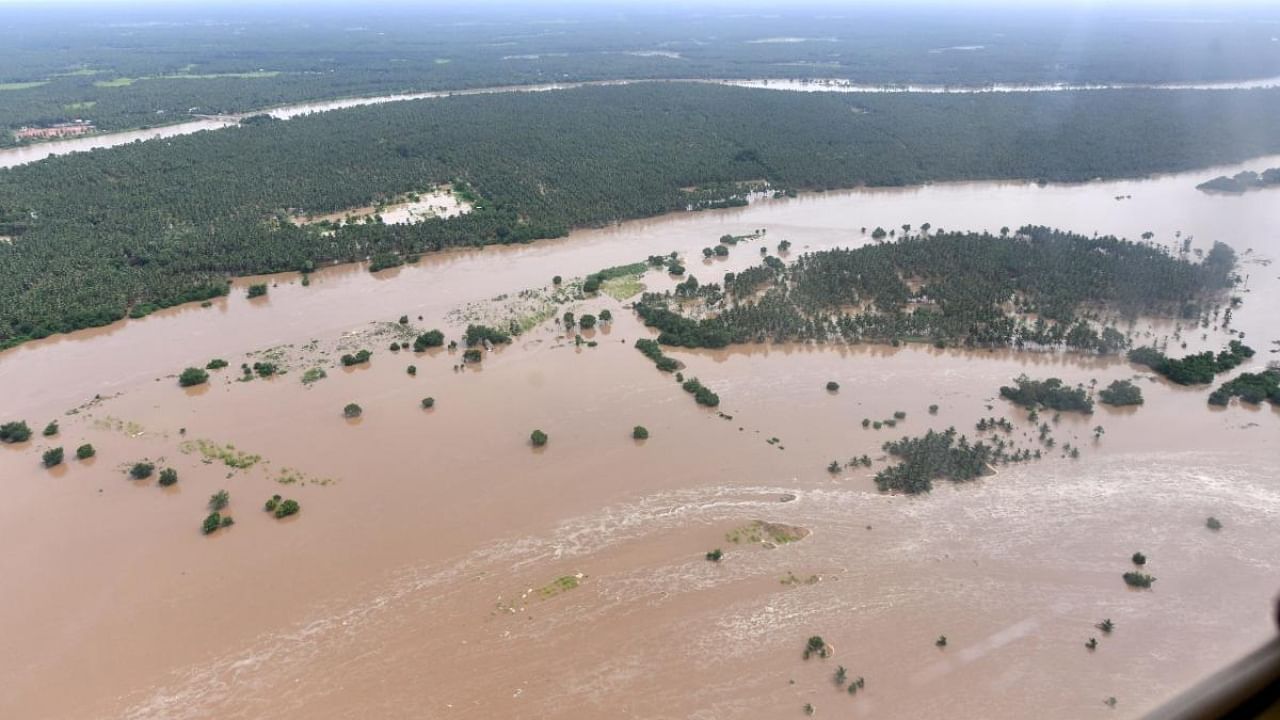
x: 52, y: 457
x: 1252, y: 388
x: 1137, y: 579
x: 15, y: 432
x: 1242, y: 181
x: 193, y: 376
x: 1036, y: 288
x: 1050, y: 393
x: 932, y: 456
x: 1197, y: 369
x: 1120, y: 393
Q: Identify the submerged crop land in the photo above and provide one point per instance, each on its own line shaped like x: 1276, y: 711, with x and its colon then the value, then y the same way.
x: 672, y: 399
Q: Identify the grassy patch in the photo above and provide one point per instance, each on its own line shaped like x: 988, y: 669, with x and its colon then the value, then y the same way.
x: 132, y: 429
x: 22, y: 85
x: 227, y: 454
x: 127, y: 81
x: 215, y: 76
x: 313, y: 375
x: 562, y: 584
x: 290, y: 476
x: 72, y: 107
x: 622, y: 288
x: 767, y: 532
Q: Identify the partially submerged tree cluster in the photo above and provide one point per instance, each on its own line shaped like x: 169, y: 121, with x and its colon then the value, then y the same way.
x: 1197, y: 369
x: 976, y: 290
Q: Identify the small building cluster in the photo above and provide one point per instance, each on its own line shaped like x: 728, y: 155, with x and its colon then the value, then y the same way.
x: 68, y: 129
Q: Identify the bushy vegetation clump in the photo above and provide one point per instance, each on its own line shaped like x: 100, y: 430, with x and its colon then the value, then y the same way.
x: 479, y: 334
x: 1120, y: 393
x: 932, y: 456
x: 1050, y: 393
x: 1137, y: 579
x: 1197, y: 369
x: 1251, y: 388
x: 358, y: 358
x: 652, y: 350
x: 193, y: 376
x: 52, y: 457
x: 701, y: 393
x: 428, y: 339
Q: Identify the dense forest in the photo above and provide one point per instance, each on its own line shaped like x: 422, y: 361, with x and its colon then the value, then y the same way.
x: 948, y: 288
x: 100, y: 235
x: 130, y: 66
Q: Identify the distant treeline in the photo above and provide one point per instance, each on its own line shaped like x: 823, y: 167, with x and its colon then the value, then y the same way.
x: 123, y: 67
x: 97, y: 236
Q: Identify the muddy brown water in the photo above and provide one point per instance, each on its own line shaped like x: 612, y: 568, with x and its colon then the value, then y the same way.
x: 422, y: 581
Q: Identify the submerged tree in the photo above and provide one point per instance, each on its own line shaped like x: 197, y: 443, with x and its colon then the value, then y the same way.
x: 193, y: 376
x: 219, y: 500
x: 15, y: 432
x: 52, y: 457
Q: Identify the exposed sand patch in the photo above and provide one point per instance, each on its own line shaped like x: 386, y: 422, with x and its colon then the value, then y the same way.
x: 406, y: 209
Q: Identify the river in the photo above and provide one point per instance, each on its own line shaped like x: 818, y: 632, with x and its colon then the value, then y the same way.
x: 420, y: 579
x: 15, y: 156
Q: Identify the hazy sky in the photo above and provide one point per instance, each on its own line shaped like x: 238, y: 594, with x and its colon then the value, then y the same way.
x: 1181, y: 5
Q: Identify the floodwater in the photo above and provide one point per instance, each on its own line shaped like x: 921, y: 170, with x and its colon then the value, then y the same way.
x: 421, y: 577
x: 12, y: 157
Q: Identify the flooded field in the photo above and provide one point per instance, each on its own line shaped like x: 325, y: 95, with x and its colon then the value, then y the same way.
x: 442, y: 567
